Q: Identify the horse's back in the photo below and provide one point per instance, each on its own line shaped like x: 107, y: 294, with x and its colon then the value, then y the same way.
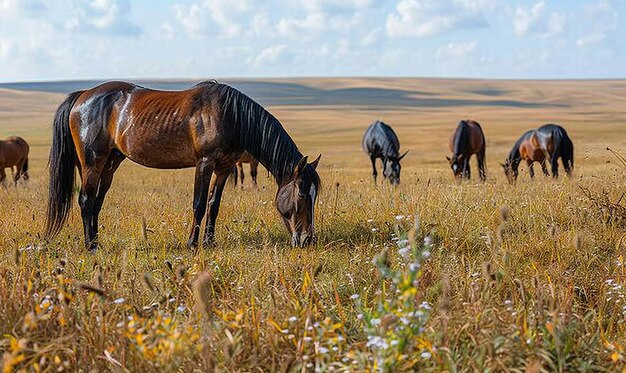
x: 380, y: 137
x: 13, y: 151
x: 474, y: 141
x: 155, y: 128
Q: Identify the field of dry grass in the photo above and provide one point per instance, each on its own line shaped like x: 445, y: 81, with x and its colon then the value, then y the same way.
x: 494, y: 277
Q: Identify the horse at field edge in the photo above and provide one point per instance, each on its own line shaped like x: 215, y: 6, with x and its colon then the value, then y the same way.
x: 14, y: 153
x: 239, y: 175
x: 468, y: 139
x: 207, y: 127
x: 547, y: 143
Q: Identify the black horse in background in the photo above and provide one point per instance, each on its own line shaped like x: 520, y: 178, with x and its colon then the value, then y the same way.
x: 380, y: 141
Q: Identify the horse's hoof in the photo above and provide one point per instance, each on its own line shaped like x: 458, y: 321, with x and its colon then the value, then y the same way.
x: 92, y: 248
x: 192, y: 244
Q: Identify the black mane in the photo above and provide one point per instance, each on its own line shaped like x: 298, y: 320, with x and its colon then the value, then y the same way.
x: 461, y: 138
x: 258, y: 131
x: 514, y: 154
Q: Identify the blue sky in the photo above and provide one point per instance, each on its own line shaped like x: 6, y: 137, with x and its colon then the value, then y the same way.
x: 74, y: 39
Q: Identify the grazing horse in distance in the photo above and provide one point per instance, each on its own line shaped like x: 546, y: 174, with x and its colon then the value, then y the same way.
x: 546, y: 144
x: 467, y: 139
x: 380, y: 141
x: 208, y: 127
x: 14, y: 153
x: 238, y: 174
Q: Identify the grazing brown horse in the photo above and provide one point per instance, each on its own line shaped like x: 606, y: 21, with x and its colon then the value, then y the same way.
x: 14, y: 153
x: 546, y: 144
x: 208, y: 127
x: 467, y: 139
x: 238, y: 174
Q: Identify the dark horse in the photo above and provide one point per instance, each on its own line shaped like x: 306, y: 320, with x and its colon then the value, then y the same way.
x: 379, y: 141
x: 547, y: 143
x: 238, y: 174
x: 14, y: 153
x: 207, y: 127
x: 467, y: 139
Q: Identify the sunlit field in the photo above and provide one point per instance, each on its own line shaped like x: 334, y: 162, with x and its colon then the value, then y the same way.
x: 434, y: 275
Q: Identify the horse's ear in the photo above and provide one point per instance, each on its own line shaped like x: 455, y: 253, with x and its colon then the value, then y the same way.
x: 300, y: 166
x: 315, y: 162
x: 402, y: 156
x: 449, y: 159
x: 503, y: 165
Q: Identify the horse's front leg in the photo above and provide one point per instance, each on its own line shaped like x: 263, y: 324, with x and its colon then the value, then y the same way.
x: 204, y: 170
x: 217, y: 187
x: 555, y: 167
x: 374, y: 172
x: 466, y: 167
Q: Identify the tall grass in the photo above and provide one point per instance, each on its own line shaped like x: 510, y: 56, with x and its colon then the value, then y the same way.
x: 525, y: 276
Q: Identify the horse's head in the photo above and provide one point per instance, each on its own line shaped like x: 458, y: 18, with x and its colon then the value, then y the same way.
x: 510, y: 170
x: 456, y: 164
x: 295, y: 201
x: 391, y: 168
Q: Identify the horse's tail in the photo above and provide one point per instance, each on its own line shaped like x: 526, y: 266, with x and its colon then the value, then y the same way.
x: 563, y: 146
x: 62, y: 162
x: 568, y: 149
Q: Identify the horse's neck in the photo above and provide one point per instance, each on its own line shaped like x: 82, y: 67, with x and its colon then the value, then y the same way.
x: 277, y: 153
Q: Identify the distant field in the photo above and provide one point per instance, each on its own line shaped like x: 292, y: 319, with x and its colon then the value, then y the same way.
x: 537, y: 286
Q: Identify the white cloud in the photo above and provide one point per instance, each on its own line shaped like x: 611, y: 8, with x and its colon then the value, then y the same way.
x: 536, y: 22
x: 110, y: 17
x: 5, y: 48
x: 270, y: 55
x: 200, y: 19
x: 313, y: 24
x: 168, y: 31
x: 457, y: 50
x: 422, y: 18
x: 292, y: 26
x: 590, y: 40
x: 315, y: 6
x: 371, y: 38
x: 601, y: 22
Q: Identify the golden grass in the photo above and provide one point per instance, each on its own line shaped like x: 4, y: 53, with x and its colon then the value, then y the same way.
x: 535, y: 286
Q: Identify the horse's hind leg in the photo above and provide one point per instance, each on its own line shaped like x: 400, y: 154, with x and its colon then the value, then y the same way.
x: 555, y: 167
x: 90, y: 175
x: 16, y: 174
x: 217, y: 187
x: 204, y: 170
x: 480, y: 157
x: 374, y: 172
x: 567, y: 165
x: 241, y: 173
x: 254, y: 165
x: 106, y: 178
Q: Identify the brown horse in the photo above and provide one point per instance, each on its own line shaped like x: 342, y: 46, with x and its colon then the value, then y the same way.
x: 467, y: 139
x: 14, y: 153
x: 545, y: 145
x: 207, y: 127
x: 238, y: 174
